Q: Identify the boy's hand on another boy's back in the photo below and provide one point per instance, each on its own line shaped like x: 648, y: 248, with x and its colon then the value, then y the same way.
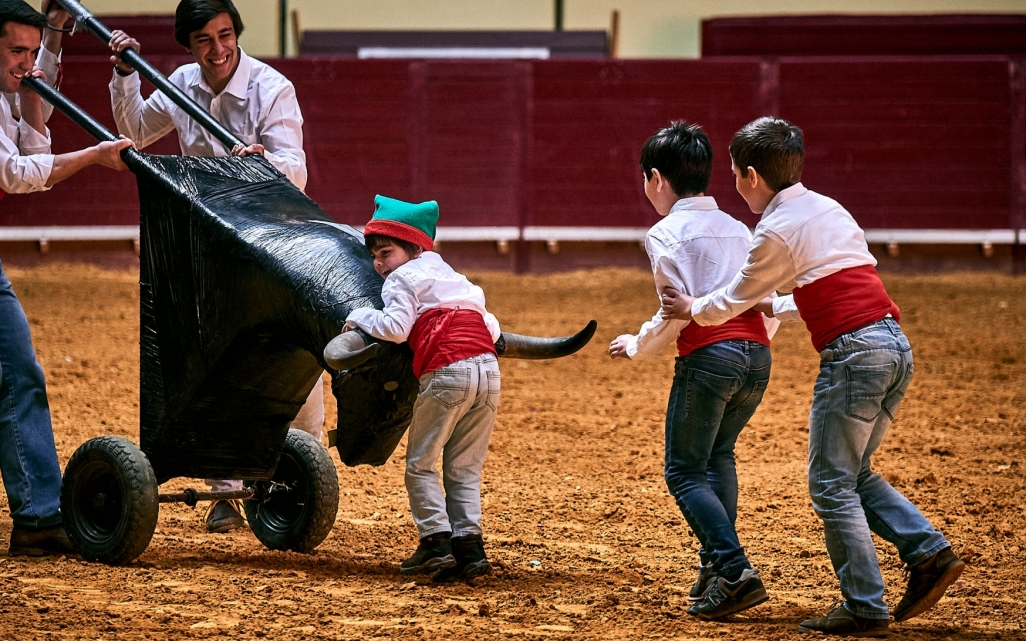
x: 618, y: 348
x: 676, y: 306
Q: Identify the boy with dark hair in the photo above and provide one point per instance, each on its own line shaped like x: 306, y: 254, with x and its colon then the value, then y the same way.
x: 254, y: 102
x: 28, y: 455
x: 721, y: 372
x: 442, y: 316
x: 808, y: 246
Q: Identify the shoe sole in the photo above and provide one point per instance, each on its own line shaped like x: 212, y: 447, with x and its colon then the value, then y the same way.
x: 431, y: 565
x: 930, y: 599
x: 750, y: 601
x: 868, y: 634
x: 225, y: 528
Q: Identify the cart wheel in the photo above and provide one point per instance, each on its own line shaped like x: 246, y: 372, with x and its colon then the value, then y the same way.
x: 301, y: 500
x: 109, y: 500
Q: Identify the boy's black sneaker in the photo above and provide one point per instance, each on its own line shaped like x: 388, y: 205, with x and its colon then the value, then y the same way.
x: 470, y: 560
x: 841, y: 622
x: 927, y: 583
x: 725, y: 597
x: 698, y: 590
x: 433, y: 553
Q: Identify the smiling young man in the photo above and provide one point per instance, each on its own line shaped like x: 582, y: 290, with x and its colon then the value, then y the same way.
x: 252, y: 100
x: 28, y: 456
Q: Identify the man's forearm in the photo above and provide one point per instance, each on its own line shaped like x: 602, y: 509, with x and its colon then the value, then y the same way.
x: 67, y: 165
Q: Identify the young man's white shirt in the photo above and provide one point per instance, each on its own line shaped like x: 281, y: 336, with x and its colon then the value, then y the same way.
x: 417, y: 286
x: 258, y: 105
x: 25, y: 158
x: 695, y: 249
x: 802, y: 237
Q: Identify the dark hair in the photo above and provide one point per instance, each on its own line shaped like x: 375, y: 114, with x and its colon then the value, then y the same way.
x: 774, y: 148
x: 377, y: 241
x: 19, y: 12
x: 682, y: 154
x: 193, y: 15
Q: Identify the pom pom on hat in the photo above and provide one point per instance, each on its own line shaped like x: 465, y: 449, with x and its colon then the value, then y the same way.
x: 414, y: 223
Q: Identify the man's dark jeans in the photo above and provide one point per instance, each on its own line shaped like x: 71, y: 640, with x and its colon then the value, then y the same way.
x: 716, y: 389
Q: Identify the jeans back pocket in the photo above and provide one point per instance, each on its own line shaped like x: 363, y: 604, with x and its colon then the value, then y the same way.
x: 450, y: 386
x: 867, y: 386
x: 494, y: 387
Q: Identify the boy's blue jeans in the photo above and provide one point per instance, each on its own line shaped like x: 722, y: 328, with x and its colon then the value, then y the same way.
x: 453, y: 419
x: 28, y: 457
x: 862, y: 379
x: 716, y: 389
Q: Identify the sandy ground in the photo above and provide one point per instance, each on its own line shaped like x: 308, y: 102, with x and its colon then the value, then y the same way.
x: 585, y: 539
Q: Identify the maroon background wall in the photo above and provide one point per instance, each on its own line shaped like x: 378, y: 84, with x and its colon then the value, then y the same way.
x: 902, y: 142
x: 890, y: 35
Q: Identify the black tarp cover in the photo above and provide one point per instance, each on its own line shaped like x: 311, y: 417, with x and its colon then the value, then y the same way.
x: 244, y: 280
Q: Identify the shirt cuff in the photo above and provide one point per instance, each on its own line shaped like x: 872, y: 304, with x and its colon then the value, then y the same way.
x: 785, y: 310
x: 123, y: 84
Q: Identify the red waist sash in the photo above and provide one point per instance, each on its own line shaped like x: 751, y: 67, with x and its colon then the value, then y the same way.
x: 843, y: 302
x: 441, y: 337
x: 748, y: 326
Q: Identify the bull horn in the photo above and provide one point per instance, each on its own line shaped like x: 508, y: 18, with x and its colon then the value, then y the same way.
x: 533, y: 347
x: 348, y: 350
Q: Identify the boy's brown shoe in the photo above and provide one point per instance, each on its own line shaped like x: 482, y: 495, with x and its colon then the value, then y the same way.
x: 841, y: 622
x: 44, y: 542
x: 927, y: 583
x: 433, y: 553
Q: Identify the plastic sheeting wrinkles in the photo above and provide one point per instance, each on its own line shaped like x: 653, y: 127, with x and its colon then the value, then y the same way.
x: 244, y: 280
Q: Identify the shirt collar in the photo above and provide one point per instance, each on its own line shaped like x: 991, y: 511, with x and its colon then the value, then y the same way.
x: 238, y: 86
x: 783, y: 196
x: 694, y: 203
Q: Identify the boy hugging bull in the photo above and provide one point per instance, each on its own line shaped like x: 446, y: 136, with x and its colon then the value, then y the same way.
x: 443, y: 317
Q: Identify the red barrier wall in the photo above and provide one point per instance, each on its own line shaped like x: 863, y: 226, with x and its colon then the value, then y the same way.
x: 902, y: 142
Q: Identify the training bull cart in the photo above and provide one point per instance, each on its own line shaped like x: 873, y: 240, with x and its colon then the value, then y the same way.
x: 244, y: 284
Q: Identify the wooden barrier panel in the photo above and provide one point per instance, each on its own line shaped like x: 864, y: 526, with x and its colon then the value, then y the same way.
x: 903, y: 143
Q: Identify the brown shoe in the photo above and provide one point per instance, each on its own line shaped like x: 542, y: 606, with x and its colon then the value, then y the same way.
x: 43, y: 542
x: 224, y: 516
x: 927, y: 583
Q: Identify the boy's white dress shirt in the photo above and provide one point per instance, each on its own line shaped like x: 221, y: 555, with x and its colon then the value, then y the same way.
x: 25, y: 158
x: 695, y: 249
x: 802, y: 237
x: 419, y: 285
x: 259, y: 106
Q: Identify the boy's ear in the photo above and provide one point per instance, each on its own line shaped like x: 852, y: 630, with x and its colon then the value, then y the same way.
x: 753, y: 177
x: 657, y: 179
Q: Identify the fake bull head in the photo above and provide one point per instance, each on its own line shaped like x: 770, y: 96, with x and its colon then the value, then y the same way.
x: 244, y: 283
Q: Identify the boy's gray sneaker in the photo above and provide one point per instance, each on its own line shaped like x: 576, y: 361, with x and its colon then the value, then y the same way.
x: 725, y: 597
x: 840, y: 622
x: 698, y: 590
x: 434, y: 552
x: 927, y: 583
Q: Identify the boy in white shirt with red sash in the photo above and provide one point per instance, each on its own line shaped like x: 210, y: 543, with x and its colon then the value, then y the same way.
x: 442, y: 316
x: 721, y: 372
x: 809, y: 246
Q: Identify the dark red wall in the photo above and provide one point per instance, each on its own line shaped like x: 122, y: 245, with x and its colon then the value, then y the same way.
x: 884, y: 35
x: 901, y: 142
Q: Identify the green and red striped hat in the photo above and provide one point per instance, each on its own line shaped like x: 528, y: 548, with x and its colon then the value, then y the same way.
x: 412, y: 222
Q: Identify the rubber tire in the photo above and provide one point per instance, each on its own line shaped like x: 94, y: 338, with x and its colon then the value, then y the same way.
x: 302, y: 517
x: 109, y: 500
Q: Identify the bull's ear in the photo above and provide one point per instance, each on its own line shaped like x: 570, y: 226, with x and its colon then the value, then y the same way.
x: 534, y: 347
x: 349, y: 350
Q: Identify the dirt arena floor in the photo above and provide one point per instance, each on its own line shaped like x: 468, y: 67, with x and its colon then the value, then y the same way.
x: 585, y: 540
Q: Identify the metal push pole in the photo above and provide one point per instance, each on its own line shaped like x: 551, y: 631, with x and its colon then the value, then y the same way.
x: 147, y: 71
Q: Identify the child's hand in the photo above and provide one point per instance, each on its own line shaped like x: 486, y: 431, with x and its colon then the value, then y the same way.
x: 618, y: 348
x: 347, y: 328
x: 676, y: 306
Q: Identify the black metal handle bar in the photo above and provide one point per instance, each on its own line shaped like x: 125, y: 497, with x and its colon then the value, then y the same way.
x: 148, y: 71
